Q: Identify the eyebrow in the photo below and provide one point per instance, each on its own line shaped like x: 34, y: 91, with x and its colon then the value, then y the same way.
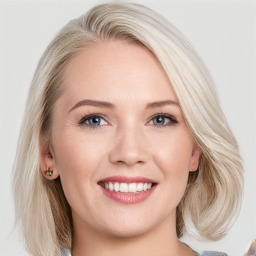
x: 162, y: 103
x: 97, y: 103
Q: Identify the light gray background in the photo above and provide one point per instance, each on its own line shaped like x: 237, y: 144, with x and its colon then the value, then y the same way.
x: 223, y: 32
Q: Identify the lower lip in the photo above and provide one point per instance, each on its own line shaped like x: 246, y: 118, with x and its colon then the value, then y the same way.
x: 128, y: 198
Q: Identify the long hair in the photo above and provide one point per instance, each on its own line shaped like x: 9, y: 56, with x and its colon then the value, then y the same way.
x: 213, y: 192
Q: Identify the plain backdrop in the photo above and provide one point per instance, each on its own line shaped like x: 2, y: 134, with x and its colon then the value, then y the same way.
x: 223, y: 32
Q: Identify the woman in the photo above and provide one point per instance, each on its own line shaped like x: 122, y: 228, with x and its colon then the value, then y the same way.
x: 123, y: 142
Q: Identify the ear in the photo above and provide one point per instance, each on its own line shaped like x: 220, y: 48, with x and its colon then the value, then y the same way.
x: 195, y: 158
x: 47, y: 161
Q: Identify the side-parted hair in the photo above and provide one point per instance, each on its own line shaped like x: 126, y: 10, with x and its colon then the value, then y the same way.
x: 213, y: 192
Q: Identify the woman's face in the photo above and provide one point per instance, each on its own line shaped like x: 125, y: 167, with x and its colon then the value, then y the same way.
x: 118, y: 129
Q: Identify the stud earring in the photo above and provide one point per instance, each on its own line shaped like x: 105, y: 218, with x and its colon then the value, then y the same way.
x: 49, y: 172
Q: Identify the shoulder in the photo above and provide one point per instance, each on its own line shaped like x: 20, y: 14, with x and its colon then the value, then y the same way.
x: 212, y: 253
x: 208, y: 253
x: 65, y: 252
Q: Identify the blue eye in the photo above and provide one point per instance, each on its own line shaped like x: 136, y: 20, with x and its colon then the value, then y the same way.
x: 92, y: 120
x: 163, y: 120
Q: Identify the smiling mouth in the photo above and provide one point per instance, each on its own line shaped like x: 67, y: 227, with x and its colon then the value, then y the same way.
x: 135, y: 187
x: 127, y: 190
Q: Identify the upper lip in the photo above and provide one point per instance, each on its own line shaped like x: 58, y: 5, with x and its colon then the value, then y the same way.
x: 126, y: 179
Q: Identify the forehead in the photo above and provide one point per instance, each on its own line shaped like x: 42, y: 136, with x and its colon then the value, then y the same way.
x: 116, y: 70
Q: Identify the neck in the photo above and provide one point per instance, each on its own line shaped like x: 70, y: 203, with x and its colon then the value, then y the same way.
x: 158, y: 241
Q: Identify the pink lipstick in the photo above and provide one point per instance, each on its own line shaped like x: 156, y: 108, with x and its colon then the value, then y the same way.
x: 127, y: 190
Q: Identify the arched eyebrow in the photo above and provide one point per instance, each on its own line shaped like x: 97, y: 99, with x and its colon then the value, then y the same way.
x: 162, y: 103
x: 97, y: 103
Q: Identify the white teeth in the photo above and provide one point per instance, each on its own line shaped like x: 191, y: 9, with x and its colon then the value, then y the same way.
x: 132, y: 188
x: 127, y: 187
x: 116, y: 186
x: 123, y: 187
x: 110, y: 186
x: 140, y: 187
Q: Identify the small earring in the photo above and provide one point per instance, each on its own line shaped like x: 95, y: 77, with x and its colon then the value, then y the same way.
x: 49, y: 172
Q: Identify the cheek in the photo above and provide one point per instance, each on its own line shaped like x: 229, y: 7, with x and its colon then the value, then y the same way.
x: 174, y: 160
x: 175, y: 154
x: 75, y: 151
x: 77, y: 158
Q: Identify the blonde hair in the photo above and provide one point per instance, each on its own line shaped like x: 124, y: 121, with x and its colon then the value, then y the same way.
x: 213, y: 193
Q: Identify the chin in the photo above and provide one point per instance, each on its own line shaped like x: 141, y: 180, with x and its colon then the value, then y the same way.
x: 128, y: 232
x: 129, y: 227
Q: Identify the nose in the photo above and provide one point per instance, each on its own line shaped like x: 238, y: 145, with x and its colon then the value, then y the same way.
x: 129, y: 147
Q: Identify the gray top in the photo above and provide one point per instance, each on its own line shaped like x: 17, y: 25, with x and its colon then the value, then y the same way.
x: 65, y: 252
x: 212, y: 253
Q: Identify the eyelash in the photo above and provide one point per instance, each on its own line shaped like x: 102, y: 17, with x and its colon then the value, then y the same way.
x: 83, y: 120
x: 88, y: 117
x: 172, y: 119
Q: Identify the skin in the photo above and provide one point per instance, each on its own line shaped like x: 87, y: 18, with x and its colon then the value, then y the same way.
x: 127, y: 142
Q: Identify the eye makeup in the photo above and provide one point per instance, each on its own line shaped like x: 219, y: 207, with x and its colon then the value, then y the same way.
x: 97, y: 120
